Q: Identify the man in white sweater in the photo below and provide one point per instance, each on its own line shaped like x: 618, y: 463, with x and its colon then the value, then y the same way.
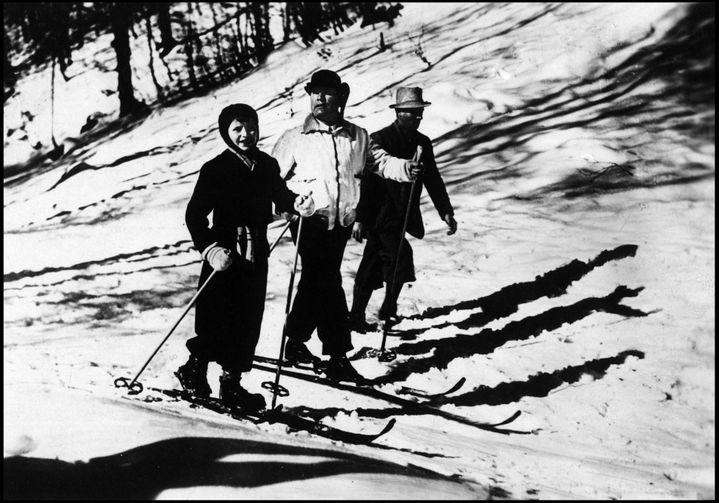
x: 326, y: 157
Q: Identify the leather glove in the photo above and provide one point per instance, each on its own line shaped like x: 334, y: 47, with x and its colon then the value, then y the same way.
x: 358, y: 232
x: 451, y: 223
x: 305, y: 205
x: 218, y: 257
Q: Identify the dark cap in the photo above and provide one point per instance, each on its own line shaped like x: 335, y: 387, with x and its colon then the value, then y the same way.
x: 236, y: 111
x: 324, y: 78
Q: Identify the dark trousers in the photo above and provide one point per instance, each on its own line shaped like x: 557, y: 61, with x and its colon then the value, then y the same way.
x: 377, y: 266
x: 320, y: 301
x: 379, y: 258
x: 228, y: 314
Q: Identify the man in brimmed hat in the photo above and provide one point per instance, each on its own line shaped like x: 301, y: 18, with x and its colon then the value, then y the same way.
x: 384, y: 206
x: 325, y: 157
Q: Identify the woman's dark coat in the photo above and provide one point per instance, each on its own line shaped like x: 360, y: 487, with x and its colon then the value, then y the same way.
x: 229, y: 311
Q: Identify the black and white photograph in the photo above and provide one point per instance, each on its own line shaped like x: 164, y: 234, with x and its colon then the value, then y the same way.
x: 359, y: 251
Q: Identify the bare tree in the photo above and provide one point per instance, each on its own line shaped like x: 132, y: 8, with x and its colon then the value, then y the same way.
x: 119, y: 20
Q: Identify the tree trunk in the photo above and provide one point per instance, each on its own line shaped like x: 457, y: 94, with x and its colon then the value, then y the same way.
x: 61, y: 38
x: 167, y: 41
x: 220, y: 64
x: 286, y: 23
x: 8, y: 74
x: 189, y: 52
x: 151, y: 63
x: 120, y: 26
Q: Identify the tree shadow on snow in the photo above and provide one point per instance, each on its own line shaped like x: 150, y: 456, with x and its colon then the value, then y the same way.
x: 611, y: 101
x: 144, y: 472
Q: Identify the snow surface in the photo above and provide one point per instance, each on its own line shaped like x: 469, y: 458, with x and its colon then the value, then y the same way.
x: 547, y: 166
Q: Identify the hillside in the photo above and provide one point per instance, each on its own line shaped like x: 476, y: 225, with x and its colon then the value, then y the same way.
x: 577, y: 145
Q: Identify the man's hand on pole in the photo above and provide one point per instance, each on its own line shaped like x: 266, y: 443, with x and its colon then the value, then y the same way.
x: 305, y: 205
x: 414, y: 168
x: 358, y: 232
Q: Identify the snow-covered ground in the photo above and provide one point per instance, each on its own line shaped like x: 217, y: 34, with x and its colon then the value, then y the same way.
x: 579, y: 288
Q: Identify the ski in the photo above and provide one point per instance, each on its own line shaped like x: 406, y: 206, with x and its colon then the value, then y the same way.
x: 293, y: 421
x: 318, y: 367
x: 407, y: 405
x: 404, y: 390
x: 508, y: 420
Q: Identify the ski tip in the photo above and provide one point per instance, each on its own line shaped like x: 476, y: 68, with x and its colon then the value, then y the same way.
x: 390, y: 424
x: 509, y: 419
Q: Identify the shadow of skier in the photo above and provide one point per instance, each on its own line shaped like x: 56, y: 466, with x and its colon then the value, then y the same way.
x: 486, y: 341
x: 506, y: 301
x: 537, y: 385
x: 144, y: 472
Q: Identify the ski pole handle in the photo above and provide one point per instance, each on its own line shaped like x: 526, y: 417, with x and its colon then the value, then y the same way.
x: 415, y: 159
x: 132, y: 385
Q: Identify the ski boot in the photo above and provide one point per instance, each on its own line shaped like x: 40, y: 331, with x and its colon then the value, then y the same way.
x: 360, y: 325
x: 193, y: 377
x: 234, y: 395
x: 339, y: 368
x: 297, y: 353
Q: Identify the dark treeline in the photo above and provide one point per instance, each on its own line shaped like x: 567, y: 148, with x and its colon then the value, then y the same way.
x: 192, y: 46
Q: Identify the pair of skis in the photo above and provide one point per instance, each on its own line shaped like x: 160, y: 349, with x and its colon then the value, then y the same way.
x: 418, y: 401
x: 278, y: 415
x: 298, y: 423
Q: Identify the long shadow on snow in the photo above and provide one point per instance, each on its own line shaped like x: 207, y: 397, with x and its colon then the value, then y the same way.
x: 538, y: 385
x: 507, y: 300
x: 41, y: 163
x: 125, y: 257
x: 487, y: 340
x: 428, y: 30
x: 144, y: 472
x: 682, y: 61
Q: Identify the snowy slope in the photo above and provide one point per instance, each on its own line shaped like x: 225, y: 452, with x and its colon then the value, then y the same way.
x: 578, y: 289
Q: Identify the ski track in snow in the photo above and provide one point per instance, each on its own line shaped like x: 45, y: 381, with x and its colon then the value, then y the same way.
x: 577, y: 288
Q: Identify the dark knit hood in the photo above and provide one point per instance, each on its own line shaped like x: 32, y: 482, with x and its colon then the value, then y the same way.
x: 238, y: 111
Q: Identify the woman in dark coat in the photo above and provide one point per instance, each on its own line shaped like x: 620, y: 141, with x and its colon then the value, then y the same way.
x: 238, y: 187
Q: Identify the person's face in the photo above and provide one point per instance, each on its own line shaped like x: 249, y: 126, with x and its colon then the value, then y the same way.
x: 243, y: 133
x: 409, y: 118
x: 325, y: 103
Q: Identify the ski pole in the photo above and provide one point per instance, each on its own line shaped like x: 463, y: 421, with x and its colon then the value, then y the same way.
x: 135, y: 387
x: 280, y: 236
x: 275, y: 387
x: 393, y: 285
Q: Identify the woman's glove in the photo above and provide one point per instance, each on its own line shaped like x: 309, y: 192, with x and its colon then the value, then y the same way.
x: 305, y: 205
x: 218, y: 257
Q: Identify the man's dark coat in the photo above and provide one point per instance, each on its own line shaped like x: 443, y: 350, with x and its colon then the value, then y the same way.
x: 383, y: 203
